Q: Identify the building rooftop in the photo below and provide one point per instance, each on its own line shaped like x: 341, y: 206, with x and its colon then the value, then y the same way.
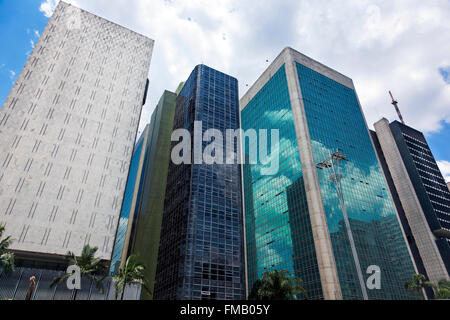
x: 286, y: 55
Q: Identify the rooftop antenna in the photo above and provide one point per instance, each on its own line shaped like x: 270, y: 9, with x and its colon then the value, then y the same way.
x: 395, y: 103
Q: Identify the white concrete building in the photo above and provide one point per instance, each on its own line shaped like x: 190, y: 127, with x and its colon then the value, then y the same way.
x: 67, y: 132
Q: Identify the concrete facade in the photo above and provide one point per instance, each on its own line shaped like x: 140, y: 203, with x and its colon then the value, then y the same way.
x: 325, y: 256
x: 67, y: 131
x: 424, y: 237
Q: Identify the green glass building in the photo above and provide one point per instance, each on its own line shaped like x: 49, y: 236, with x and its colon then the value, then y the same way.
x: 142, y: 210
x: 298, y: 220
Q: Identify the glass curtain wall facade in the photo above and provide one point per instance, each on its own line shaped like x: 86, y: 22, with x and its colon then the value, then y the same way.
x: 127, y: 214
x: 278, y: 234
x: 336, y: 123
x: 297, y: 92
x: 201, y: 245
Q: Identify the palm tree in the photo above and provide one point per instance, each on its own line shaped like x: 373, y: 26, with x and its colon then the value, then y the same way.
x: 277, y: 285
x: 131, y: 272
x: 417, y: 284
x: 442, y: 289
x: 6, y: 258
x: 90, y: 267
x: 254, y: 294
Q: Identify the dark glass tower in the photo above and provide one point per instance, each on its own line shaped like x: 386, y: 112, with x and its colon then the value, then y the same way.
x: 420, y: 194
x: 201, y: 245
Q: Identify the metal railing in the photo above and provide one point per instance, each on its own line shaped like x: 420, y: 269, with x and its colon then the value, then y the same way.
x: 16, y: 285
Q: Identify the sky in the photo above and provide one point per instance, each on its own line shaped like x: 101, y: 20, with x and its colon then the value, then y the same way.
x: 401, y: 45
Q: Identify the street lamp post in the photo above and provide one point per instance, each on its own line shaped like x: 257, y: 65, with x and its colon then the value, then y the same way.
x: 333, y: 163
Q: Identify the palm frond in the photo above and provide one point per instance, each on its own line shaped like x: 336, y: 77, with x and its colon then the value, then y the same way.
x: 5, y: 243
x: 89, y: 267
x: 59, y: 279
x: 6, y: 257
x: 444, y: 284
x: 118, y: 285
x: 131, y: 271
x: 7, y: 263
x: 98, y: 283
x: 278, y: 285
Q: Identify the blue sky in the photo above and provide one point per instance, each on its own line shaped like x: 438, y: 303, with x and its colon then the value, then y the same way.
x: 440, y: 143
x: 18, y: 21
x: 400, y: 45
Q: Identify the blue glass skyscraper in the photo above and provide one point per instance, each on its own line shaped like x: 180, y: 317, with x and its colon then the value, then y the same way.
x: 127, y: 213
x: 326, y: 215
x: 201, y: 245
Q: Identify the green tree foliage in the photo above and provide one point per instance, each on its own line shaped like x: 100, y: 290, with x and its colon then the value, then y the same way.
x: 442, y: 289
x: 277, y: 285
x: 6, y: 257
x: 90, y: 267
x: 417, y: 284
x: 131, y: 272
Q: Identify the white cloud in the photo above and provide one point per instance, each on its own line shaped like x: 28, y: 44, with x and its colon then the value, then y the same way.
x: 12, y: 74
x: 444, y: 166
x: 47, y: 7
x: 382, y: 45
x: 32, y: 41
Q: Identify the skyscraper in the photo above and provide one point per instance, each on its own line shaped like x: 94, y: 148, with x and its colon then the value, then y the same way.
x: 130, y: 205
x: 201, y: 245
x: 67, y: 132
x: 423, y: 199
x: 326, y: 215
x: 152, y: 189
